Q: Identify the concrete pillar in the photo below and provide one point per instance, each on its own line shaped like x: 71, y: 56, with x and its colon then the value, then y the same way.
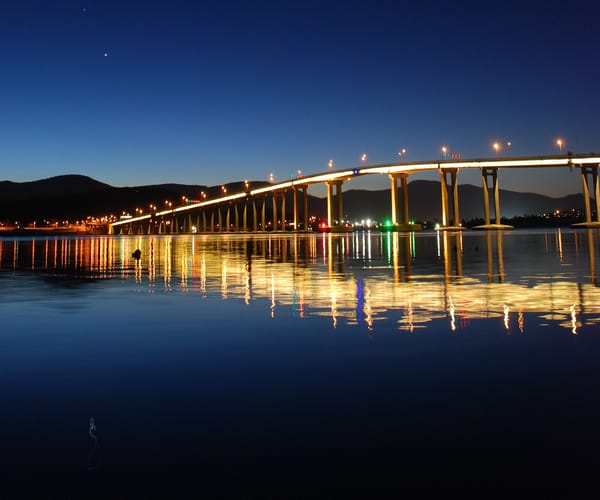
x: 274, y: 211
x: 305, y: 205
x: 394, y: 196
x: 444, y: 198
x: 493, y: 173
x: 455, y: 206
x: 404, y: 191
x: 283, y: 211
x: 338, y: 195
x: 254, y: 216
x: 263, y: 214
x: 329, y: 204
x: 587, y: 172
x: 486, y: 197
x: 295, y: 207
x: 496, y: 195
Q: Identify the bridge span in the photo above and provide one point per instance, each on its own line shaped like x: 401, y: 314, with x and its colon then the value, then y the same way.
x: 208, y: 215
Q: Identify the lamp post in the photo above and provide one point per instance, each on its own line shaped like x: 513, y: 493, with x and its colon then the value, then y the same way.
x: 402, y: 152
x: 330, y: 164
x: 559, y: 144
x: 363, y: 158
x: 444, y: 152
x: 496, y: 147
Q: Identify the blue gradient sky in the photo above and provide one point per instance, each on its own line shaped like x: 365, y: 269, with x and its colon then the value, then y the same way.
x: 219, y: 91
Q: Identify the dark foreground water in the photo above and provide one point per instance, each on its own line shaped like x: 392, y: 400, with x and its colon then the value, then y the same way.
x: 306, y: 366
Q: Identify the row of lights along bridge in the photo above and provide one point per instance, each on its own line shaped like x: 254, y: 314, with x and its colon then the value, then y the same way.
x: 497, y: 147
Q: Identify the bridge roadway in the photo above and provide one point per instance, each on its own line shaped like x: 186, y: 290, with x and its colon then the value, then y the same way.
x: 169, y: 221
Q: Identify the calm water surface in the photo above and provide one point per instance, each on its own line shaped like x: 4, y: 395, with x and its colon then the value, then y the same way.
x: 300, y: 362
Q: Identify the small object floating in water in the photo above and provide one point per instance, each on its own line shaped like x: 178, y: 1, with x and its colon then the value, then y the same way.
x: 137, y: 254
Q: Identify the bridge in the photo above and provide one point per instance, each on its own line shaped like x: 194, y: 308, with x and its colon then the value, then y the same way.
x: 208, y: 215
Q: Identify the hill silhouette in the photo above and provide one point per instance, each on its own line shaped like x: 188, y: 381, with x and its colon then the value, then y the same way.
x: 77, y: 196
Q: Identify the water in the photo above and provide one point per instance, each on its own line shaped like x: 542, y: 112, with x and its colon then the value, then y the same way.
x: 235, y: 363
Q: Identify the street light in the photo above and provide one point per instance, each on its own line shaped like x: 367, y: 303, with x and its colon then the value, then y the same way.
x: 559, y: 143
x: 271, y: 178
x: 496, y: 147
x: 363, y: 158
x: 330, y: 164
x: 444, y: 152
x: 402, y: 152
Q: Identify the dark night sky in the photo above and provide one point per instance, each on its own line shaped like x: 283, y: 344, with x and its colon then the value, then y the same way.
x: 143, y: 92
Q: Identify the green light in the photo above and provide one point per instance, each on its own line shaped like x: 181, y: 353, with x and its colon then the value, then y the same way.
x: 387, y: 223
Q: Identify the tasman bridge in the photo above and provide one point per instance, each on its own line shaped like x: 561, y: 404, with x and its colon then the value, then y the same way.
x: 246, y: 210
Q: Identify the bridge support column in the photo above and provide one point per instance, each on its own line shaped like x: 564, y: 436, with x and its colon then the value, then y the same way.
x: 590, y: 173
x: 245, y: 217
x: 338, y: 199
x: 394, y: 195
x: 493, y: 174
x: 400, y: 218
x: 236, y: 217
x: 305, y: 207
x: 329, y: 204
x: 295, y: 204
x: 263, y: 214
x: 274, y: 221
x: 228, y: 219
x: 283, y: 211
x: 338, y: 207
x: 219, y: 219
x: 445, y: 201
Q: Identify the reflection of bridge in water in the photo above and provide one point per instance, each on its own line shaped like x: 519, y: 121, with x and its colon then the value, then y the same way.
x: 247, y: 210
x: 361, y: 278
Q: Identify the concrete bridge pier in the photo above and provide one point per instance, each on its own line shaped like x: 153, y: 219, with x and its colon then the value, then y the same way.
x: 335, y: 211
x: 245, y: 216
x: 283, y: 211
x: 400, y: 217
x: 227, y: 219
x: 445, y: 201
x: 236, y: 218
x: 493, y: 174
x: 304, y: 191
x: 263, y: 214
x: 274, y: 219
x: 590, y: 174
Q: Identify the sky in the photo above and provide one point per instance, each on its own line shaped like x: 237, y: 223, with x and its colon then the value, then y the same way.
x: 210, y: 92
